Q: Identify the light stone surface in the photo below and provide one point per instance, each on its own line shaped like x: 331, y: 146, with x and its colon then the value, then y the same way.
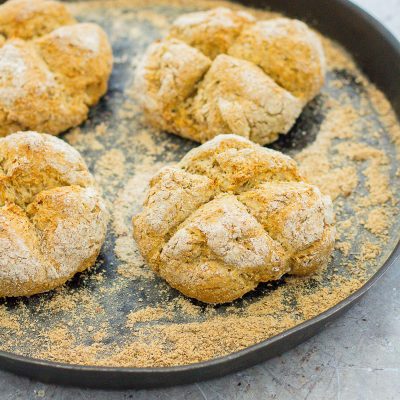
x: 355, y: 358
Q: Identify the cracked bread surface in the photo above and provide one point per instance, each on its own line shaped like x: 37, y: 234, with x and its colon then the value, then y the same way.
x: 52, y: 217
x: 52, y: 69
x: 236, y: 96
x: 230, y: 215
x: 228, y: 73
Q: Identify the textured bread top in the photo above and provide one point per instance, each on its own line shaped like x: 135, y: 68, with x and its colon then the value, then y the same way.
x: 232, y: 214
x: 52, y: 218
x: 212, y: 32
x: 221, y: 71
x: 286, y: 50
x: 52, y: 69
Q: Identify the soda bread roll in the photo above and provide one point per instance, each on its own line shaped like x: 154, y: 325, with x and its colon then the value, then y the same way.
x: 52, y: 217
x: 52, y: 69
x: 221, y: 71
x: 230, y: 215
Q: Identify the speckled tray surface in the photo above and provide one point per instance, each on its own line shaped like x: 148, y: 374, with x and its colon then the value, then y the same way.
x: 94, y: 318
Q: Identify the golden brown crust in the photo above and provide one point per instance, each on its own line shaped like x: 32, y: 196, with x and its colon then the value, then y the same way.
x: 212, y: 32
x: 27, y: 19
x: 80, y: 57
x: 31, y: 163
x: 49, y: 83
x: 52, y: 217
x: 173, y: 196
x: 166, y: 77
x: 225, y: 73
x: 232, y: 214
x: 286, y: 50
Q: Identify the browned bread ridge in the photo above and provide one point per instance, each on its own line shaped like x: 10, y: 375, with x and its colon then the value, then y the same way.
x: 221, y: 71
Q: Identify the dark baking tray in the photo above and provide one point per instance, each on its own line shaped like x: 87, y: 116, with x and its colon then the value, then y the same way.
x: 377, y: 52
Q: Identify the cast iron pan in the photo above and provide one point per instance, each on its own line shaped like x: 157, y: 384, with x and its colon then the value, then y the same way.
x: 378, y: 54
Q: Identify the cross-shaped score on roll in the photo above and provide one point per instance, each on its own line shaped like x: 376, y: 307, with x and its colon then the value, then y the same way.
x: 230, y: 215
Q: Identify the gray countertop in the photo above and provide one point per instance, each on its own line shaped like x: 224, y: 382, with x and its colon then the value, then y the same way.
x: 357, y: 357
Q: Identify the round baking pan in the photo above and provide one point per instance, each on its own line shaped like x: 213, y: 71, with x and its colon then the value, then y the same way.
x: 378, y: 54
